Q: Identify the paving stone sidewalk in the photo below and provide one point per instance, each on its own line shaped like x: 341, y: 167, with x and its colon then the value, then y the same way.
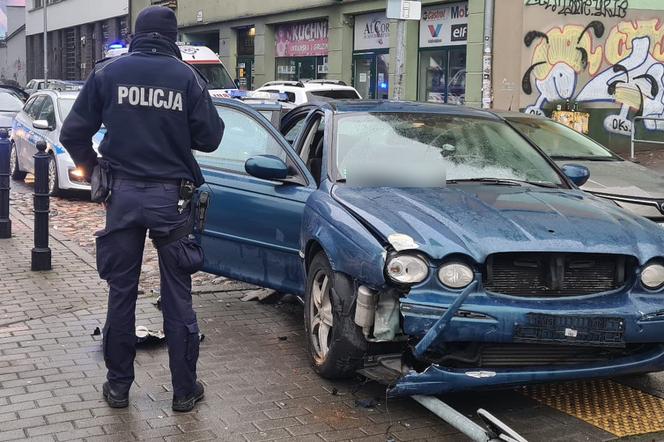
x: 259, y: 382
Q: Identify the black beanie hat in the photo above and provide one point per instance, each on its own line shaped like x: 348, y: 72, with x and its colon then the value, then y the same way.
x: 159, y: 19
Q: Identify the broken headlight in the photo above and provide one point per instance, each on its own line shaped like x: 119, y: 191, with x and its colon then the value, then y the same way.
x: 456, y: 275
x: 407, y: 269
x: 652, y: 276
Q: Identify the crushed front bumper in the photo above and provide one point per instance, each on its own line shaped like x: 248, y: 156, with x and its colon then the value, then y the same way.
x: 440, y: 380
x: 435, y: 320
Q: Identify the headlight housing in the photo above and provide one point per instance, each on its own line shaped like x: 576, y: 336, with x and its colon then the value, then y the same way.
x: 652, y: 276
x: 407, y: 269
x: 456, y: 275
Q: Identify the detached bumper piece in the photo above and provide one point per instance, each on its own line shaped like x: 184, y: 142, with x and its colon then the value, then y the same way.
x: 439, y: 380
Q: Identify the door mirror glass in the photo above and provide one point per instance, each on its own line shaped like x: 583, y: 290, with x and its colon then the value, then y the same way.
x: 578, y: 174
x: 267, y: 167
x: 41, y: 124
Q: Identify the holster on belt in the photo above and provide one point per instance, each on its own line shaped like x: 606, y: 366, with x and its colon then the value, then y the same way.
x: 195, y: 223
x: 101, y: 182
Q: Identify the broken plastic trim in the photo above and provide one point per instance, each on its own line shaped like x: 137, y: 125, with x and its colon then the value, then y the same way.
x: 654, y: 316
x: 437, y: 312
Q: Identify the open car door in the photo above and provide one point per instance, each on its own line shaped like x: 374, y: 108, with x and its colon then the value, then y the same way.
x: 252, y: 231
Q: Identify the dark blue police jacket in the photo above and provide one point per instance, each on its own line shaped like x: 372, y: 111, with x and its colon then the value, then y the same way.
x: 156, y: 109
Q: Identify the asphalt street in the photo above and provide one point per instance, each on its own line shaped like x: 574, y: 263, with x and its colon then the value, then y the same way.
x: 253, y: 361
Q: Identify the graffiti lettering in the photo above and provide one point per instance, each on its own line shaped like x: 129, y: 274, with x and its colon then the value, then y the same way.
x: 626, y: 69
x: 589, y: 8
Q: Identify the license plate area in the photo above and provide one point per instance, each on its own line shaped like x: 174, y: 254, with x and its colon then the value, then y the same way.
x: 571, y: 330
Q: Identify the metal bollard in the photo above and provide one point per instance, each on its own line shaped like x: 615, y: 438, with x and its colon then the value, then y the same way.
x: 41, y: 253
x: 5, y: 222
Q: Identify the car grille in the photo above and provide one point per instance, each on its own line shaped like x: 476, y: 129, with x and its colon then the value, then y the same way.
x: 556, y: 274
x: 533, y: 355
x: 476, y: 355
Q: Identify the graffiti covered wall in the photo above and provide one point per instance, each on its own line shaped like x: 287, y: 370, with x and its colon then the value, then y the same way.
x: 603, y: 55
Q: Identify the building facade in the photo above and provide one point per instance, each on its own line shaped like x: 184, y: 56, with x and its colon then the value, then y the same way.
x: 12, y: 45
x: 351, y: 41
x: 604, y: 59
x: 79, y: 33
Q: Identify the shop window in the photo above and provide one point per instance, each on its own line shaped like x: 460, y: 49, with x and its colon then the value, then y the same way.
x: 443, y: 75
x: 301, y: 68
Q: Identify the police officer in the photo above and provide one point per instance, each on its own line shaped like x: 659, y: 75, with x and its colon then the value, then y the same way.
x: 156, y: 109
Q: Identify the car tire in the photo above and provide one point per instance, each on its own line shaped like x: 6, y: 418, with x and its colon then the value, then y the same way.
x: 336, y: 345
x: 53, y: 182
x: 14, y: 171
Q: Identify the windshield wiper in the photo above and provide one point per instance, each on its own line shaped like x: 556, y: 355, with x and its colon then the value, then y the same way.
x: 488, y: 181
x: 587, y: 158
x: 504, y: 182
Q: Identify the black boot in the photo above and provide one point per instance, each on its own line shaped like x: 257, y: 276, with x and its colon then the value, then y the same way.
x: 188, y: 403
x: 113, y: 398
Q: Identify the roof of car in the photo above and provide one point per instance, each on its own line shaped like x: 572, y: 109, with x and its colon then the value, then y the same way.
x: 405, y: 106
x: 513, y: 114
x: 59, y: 94
x: 310, y: 85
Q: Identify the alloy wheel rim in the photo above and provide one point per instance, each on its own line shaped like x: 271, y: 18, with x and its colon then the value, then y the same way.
x: 320, y: 316
x: 52, y: 175
x: 12, y: 160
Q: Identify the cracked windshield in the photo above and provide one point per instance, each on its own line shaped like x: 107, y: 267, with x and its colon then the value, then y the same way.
x: 433, y: 150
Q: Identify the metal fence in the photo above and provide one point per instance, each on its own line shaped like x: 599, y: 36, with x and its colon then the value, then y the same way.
x: 636, y: 140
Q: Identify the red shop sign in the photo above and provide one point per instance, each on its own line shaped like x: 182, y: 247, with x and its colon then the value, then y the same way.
x: 302, y: 39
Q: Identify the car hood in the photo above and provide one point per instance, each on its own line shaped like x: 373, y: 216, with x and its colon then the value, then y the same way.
x: 622, y: 178
x: 481, y: 220
x: 6, y: 118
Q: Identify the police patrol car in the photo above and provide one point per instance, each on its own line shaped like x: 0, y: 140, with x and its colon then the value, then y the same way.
x: 206, y: 61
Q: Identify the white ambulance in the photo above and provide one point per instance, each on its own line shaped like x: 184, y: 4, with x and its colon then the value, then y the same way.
x: 206, y: 61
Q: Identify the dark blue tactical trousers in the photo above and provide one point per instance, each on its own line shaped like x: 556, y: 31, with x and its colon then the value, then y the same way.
x: 134, y: 208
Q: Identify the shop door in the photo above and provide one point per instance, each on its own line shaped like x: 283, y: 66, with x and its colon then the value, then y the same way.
x: 364, y: 77
x: 443, y: 75
x: 370, y: 75
x: 245, y: 77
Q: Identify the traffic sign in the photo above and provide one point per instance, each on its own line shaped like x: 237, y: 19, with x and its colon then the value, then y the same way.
x: 404, y: 9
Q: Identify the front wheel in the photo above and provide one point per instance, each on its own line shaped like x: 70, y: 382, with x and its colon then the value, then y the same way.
x: 53, y: 182
x: 335, y: 343
x: 14, y: 171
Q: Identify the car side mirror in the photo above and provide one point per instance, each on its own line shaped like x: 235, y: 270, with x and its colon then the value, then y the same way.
x: 578, y: 174
x: 42, y: 125
x: 267, y: 167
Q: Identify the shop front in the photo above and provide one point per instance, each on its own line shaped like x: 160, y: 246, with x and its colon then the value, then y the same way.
x: 301, y: 50
x: 442, y: 64
x: 371, y: 43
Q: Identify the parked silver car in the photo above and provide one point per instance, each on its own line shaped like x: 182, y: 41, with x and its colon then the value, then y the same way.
x: 632, y: 186
x: 10, y: 105
x: 41, y: 119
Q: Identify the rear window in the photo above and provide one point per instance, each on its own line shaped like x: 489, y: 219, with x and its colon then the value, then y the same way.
x: 289, y: 95
x: 334, y: 94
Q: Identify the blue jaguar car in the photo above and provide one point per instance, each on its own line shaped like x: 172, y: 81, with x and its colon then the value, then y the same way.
x: 433, y: 245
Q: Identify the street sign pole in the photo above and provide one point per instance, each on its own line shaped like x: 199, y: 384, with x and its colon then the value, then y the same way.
x: 46, y: 43
x: 400, y: 61
x: 402, y: 10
